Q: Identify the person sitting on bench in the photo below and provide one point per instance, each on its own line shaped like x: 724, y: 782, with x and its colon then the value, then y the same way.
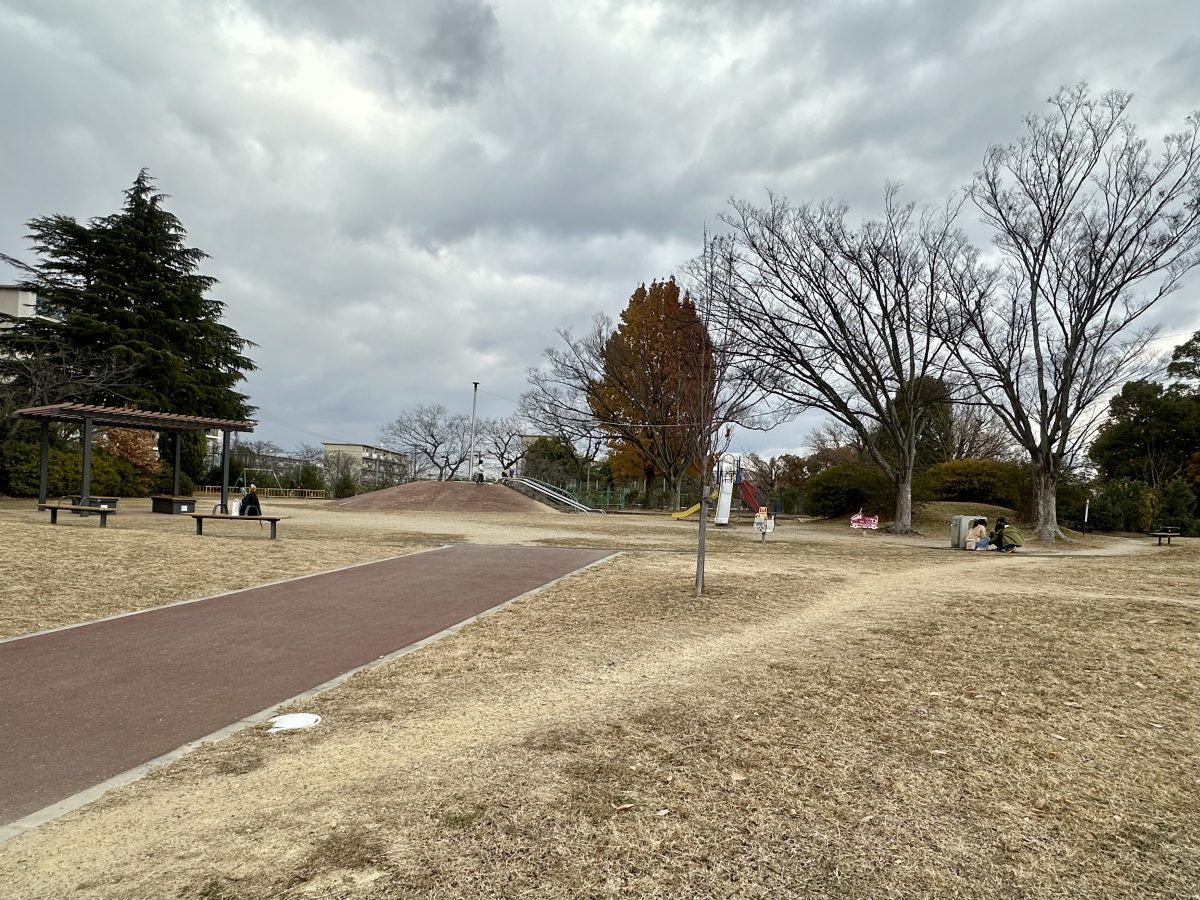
x: 250, y: 505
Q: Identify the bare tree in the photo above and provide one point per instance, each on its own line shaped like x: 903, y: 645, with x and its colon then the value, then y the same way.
x: 310, y: 453
x: 560, y: 411
x: 1092, y: 233
x: 834, y: 440
x: 728, y: 394
x: 341, y: 474
x: 764, y: 472
x: 39, y: 370
x: 834, y: 318
x: 439, y: 441
x: 505, y: 440
x: 970, y: 431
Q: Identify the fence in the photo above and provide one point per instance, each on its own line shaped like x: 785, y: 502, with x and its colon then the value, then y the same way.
x: 270, y: 492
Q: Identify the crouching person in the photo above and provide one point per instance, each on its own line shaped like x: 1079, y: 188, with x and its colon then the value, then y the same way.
x: 977, y: 535
x: 1005, y: 538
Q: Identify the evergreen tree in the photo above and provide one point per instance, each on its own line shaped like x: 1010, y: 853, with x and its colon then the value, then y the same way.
x: 1185, y: 361
x: 124, y: 290
x: 1150, y: 435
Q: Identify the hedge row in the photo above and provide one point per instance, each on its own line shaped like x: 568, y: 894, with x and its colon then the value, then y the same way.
x: 111, y: 476
x: 1119, y: 505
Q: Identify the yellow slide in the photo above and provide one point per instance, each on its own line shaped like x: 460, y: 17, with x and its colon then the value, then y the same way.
x: 691, y: 511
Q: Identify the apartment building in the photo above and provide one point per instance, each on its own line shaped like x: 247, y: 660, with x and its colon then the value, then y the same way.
x: 373, y: 466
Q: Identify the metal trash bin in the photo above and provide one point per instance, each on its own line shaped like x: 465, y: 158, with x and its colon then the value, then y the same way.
x: 959, y: 526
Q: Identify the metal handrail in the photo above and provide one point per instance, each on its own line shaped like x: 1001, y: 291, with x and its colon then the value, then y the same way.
x: 552, y: 492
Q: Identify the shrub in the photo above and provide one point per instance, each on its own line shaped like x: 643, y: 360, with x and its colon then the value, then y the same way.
x: 308, y: 475
x: 20, y: 465
x: 979, y: 481
x: 1074, y: 494
x: 163, y: 482
x: 19, y: 473
x: 344, y: 485
x: 849, y: 488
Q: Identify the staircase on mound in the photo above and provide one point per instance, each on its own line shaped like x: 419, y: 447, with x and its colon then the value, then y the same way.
x: 548, y: 493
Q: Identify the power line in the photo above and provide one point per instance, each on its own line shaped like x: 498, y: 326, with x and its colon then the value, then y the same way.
x: 324, y: 438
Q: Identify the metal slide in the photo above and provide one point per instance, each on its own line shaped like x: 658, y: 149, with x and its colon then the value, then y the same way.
x: 557, y: 495
x: 724, y: 501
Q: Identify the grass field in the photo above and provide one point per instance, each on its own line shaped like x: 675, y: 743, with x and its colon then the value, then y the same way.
x: 842, y: 715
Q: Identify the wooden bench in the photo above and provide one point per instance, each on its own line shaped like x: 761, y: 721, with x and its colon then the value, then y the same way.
x: 1167, y: 533
x: 200, y: 517
x: 55, y: 508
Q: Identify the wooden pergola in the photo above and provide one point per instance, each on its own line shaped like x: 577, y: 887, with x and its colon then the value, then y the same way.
x: 90, y: 416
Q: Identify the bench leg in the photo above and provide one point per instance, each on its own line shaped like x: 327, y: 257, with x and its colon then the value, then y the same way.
x: 104, y: 519
x: 54, y: 517
x: 273, y: 524
x: 199, y: 526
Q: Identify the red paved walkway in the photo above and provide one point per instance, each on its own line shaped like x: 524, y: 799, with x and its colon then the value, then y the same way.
x: 82, y: 705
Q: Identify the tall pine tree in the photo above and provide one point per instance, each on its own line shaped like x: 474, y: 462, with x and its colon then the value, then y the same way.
x: 125, y: 294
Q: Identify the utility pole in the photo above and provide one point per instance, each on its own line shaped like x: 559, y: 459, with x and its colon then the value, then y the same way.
x: 471, y: 460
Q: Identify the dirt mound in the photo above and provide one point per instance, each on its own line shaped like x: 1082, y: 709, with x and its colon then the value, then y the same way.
x: 446, y: 496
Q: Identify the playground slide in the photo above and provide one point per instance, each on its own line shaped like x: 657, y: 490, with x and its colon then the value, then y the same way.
x: 750, y: 496
x: 724, y: 502
x: 691, y: 511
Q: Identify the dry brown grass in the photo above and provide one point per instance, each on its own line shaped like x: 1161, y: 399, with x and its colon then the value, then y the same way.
x: 841, y: 716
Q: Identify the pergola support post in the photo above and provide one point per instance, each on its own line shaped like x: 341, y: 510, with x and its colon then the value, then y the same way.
x: 225, y: 471
x: 175, y: 484
x: 44, y: 465
x: 87, y: 461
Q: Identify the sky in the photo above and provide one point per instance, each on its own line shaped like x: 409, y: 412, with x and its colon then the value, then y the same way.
x: 402, y: 198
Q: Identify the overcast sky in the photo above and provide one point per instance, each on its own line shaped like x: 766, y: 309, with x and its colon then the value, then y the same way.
x: 401, y: 197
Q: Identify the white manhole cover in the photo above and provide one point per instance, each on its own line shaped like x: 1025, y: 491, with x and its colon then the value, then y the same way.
x: 292, y: 721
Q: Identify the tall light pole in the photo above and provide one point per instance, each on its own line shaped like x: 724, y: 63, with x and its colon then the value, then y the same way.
x: 471, y: 460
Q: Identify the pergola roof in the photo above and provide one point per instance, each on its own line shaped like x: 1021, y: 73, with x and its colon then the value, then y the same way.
x: 122, y: 417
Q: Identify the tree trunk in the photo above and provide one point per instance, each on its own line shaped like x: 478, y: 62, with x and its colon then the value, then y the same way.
x: 903, y: 523
x: 1046, y: 504
x: 675, y: 494
x: 648, y: 500
x: 700, y: 543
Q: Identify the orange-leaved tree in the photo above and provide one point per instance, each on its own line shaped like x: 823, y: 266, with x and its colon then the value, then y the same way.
x: 656, y: 374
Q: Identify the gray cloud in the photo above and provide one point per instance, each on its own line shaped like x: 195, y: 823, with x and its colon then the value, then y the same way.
x: 400, y: 199
x: 441, y: 50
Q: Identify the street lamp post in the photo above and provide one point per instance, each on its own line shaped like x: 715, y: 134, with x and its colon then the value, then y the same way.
x: 471, y: 458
